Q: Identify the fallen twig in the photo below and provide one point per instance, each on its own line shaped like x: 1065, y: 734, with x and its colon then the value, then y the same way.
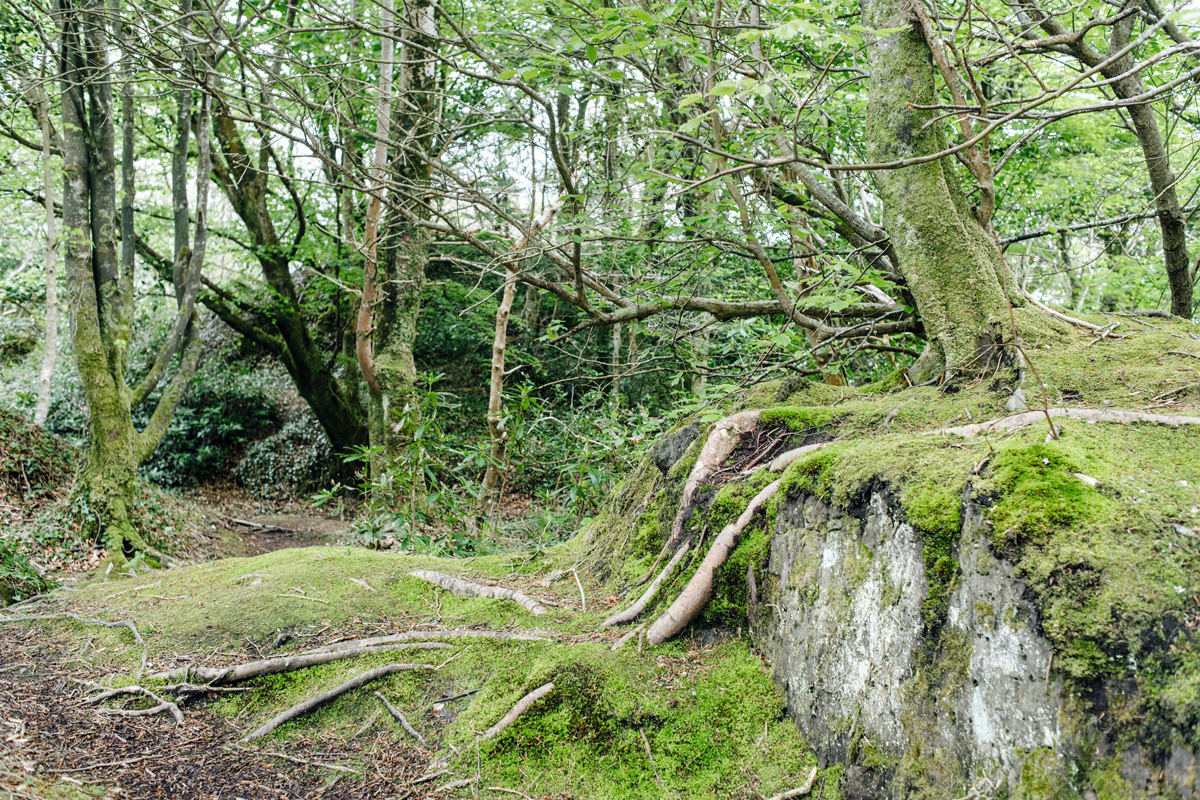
x: 455, y: 784
x: 801, y: 790
x: 650, y: 756
x: 271, y: 666
x: 469, y: 589
x: 303, y: 761
x: 399, y: 717
x: 522, y: 705
x: 323, y: 698
x: 582, y: 596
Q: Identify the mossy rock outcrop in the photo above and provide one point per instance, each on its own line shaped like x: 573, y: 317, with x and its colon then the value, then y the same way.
x: 1014, y: 612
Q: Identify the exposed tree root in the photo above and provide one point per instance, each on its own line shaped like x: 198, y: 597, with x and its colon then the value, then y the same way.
x: 1084, y: 414
x: 784, y: 460
x: 1059, y: 315
x: 271, y: 666
x: 800, y: 791
x: 399, y: 717
x: 720, y: 444
x: 468, y: 589
x: 409, y: 636
x: 316, y: 702
x: 520, y: 708
x: 634, y: 631
x: 631, y: 613
x: 163, y: 705
x: 699, y: 589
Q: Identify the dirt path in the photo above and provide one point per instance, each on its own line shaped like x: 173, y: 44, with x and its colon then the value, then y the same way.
x: 267, y: 533
x: 53, y: 746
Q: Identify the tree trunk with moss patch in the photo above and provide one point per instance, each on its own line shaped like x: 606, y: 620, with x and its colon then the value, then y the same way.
x: 404, y: 247
x: 951, y: 264
x: 100, y: 290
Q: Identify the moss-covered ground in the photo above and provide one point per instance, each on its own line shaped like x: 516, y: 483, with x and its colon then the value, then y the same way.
x: 1112, y: 558
x: 1102, y: 523
x: 709, y: 713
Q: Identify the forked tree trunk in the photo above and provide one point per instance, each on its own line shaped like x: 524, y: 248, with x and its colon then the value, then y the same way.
x: 951, y: 265
x: 100, y: 289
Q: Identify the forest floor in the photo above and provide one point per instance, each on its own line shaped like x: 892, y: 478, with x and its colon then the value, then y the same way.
x: 53, y: 746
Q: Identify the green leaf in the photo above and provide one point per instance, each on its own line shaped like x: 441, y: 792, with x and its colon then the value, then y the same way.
x: 689, y: 100
x: 641, y: 15
x: 622, y: 50
x: 724, y: 89
x: 591, y: 53
x: 692, y: 125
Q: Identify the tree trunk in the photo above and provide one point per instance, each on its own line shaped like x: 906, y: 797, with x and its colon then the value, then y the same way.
x: 46, y: 375
x: 99, y: 288
x: 393, y: 411
x: 495, y: 414
x: 1171, y: 220
x: 497, y: 431
x: 951, y: 265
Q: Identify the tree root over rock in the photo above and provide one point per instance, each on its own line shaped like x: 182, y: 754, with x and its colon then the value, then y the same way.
x: 631, y: 613
x: 468, y: 589
x: 699, y: 589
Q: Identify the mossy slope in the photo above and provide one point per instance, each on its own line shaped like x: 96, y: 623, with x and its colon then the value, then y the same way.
x: 712, y: 719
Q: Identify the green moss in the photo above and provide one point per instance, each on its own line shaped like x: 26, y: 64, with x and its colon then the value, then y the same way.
x: 1043, y: 777
x: 799, y: 418
x: 1038, y: 494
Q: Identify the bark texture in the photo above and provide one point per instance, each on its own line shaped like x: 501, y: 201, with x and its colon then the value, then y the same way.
x: 393, y: 408
x: 100, y: 289
x: 951, y: 265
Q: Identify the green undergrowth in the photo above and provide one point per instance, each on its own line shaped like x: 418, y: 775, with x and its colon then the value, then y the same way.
x: 712, y: 718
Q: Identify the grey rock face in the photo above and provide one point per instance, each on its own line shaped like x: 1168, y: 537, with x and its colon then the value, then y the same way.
x: 842, y: 622
x: 671, y: 448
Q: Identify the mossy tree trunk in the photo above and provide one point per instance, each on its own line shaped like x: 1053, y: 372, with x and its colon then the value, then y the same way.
x: 951, y: 264
x: 394, y: 403
x: 100, y: 294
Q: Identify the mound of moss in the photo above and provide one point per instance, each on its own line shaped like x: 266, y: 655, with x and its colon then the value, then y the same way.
x: 1101, y: 523
x: 705, y: 718
x: 34, y: 463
